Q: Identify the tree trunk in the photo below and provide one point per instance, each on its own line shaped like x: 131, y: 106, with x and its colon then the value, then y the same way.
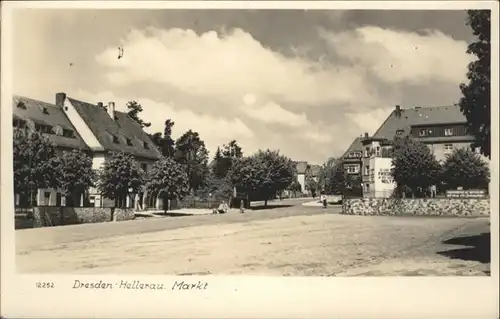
x: 265, y: 203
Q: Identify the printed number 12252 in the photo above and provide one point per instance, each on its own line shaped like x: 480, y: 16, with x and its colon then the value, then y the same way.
x: 45, y: 285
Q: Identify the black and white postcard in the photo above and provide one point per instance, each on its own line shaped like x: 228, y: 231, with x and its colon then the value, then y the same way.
x: 244, y: 159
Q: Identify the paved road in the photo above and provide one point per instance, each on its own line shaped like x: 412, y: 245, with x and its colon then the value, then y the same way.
x: 29, y: 239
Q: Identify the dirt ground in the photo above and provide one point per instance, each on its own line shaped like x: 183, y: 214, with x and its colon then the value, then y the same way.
x: 305, y: 243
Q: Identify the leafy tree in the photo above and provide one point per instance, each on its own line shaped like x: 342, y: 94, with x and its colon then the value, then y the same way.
x: 218, y: 187
x: 168, y: 149
x: 466, y: 169
x: 263, y: 174
x: 295, y: 187
x: 35, y: 163
x: 312, y: 185
x: 476, y: 100
x: 134, y: 108
x: 332, y: 176
x: 414, y: 167
x: 120, y: 172
x: 75, y: 174
x: 191, y: 152
x: 167, y: 179
x: 232, y: 150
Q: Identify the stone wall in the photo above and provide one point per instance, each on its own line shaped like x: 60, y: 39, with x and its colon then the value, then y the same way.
x: 46, y: 216
x: 417, y: 206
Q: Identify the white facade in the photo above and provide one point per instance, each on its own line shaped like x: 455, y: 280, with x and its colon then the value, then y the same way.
x: 380, y: 182
x: 301, y: 178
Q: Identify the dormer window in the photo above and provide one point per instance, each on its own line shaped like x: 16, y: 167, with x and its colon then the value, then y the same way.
x: 58, y: 130
x: 399, y: 132
x: 146, y: 145
x: 21, y: 105
x: 448, y: 132
x: 115, y: 139
x: 68, y: 133
x: 129, y: 142
x: 422, y: 132
x: 45, y: 110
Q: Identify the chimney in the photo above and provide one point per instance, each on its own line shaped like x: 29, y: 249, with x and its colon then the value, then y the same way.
x: 366, y: 135
x: 398, y: 111
x: 99, y: 104
x: 60, y: 98
x: 111, y: 110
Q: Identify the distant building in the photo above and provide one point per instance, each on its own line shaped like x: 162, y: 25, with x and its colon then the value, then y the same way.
x: 51, y: 122
x: 106, y: 130
x: 441, y: 128
x: 302, y: 169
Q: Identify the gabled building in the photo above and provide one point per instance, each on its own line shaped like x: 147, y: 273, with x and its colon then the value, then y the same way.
x: 51, y: 122
x: 441, y: 128
x: 106, y: 130
x: 351, y: 159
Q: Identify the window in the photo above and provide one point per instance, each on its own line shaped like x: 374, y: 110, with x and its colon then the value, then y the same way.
x: 144, y: 167
x: 422, y: 132
x: 44, y: 110
x: 367, y: 152
x: 146, y: 145
x: 352, y: 169
x: 357, y: 154
x: 129, y: 142
x: 21, y: 105
x: 367, y: 169
x: 448, y: 132
x: 429, y: 132
x: 377, y: 151
x: 68, y: 133
x: 367, y: 187
x: 115, y: 139
x: 58, y: 130
x: 399, y: 132
x: 448, y: 148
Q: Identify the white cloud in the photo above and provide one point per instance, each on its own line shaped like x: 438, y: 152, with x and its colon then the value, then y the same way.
x: 397, y: 56
x: 369, y: 121
x: 214, y: 131
x: 229, y: 86
x: 232, y: 64
x: 273, y: 113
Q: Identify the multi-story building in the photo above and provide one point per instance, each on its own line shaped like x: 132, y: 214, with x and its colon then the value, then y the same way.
x: 51, y: 122
x: 351, y: 160
x: 106, y: 130
x: 96, y: 129
x: 441, y: 128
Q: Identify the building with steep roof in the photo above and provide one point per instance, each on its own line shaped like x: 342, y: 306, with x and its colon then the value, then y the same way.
x: 351, y: 159
x: 51, y: 122
x: 302, y: 168
x: 106, y: 130
x: 441, y: 128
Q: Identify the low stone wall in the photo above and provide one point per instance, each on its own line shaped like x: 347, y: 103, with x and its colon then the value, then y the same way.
x: 46, y: 216
x: 417, y: 206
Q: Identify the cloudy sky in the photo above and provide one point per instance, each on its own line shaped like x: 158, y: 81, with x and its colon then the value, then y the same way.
x: 304, y: 82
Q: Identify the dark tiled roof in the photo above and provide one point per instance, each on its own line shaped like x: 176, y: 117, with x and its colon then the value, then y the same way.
x: 356, y: 146
x: 302, y: 167
x: 104, y: 128
x: 419, y: 116
x: 33, y: 111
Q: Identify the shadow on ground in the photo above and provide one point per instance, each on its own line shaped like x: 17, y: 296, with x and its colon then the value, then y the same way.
x: 262, y: 207
x: 478, y: 248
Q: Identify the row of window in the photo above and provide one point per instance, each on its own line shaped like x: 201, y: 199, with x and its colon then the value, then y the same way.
x: 45, y: 129
x: 128, y: 141
x: 428, y: 132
